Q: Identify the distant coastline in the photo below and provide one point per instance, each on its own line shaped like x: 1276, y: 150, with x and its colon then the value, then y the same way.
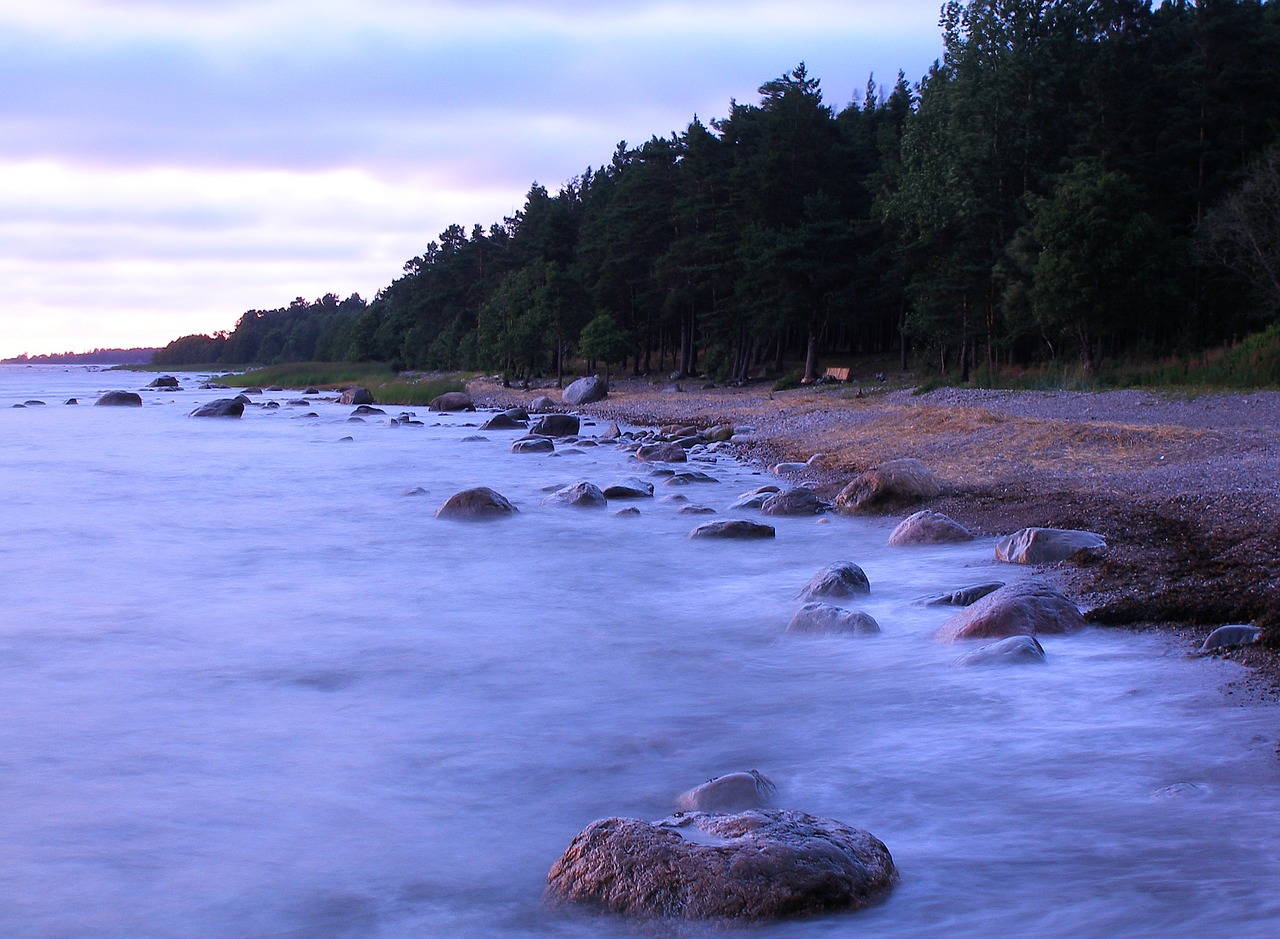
x: 137, y: 356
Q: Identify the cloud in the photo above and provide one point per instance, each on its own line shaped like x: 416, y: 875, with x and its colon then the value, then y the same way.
x: 181, y: 135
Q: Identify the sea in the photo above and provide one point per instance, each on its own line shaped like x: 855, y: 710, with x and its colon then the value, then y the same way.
x: 251, y: 686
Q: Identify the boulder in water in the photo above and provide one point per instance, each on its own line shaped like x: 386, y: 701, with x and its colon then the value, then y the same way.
x: 479, y: 504
x: 356, y: 396
x: 533, y: 445
x: 222, y: 407
x: 1012, y: 651
x: 503, y: 422
x: 1224, y: 637
x: 127, y: 399
x: 662, y: 453
x: 1047, y: 545
x: 630, y: 489
x: 1021, y: 609
x: 452, y: 401
x: 815, y: 617
x: 755, y: 865
x: 737, y: 528
x: 732, y: 792
x: 798, y: 501
x: 582, y: 495
x: 164, y: 381
x: 928, y: 527
x: 556, y: 425
x: 836, y: 580
x: 897, y: 482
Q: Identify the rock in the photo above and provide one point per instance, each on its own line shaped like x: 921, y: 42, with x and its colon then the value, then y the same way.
x: 253, y: 390
x: 533, y: 445
x: 356, y: 396
x: 733, y: 528
x: 556, y: 425
x: 222, y: 407
x: 580, y: 495
x: 71, y: 401
x: 752, y: 502
x: 33, y: 403
x: 1011, y: 651
x: 695, y: 510
x: 164, y: 381
x: 612, y: 432
x: 1021, y: 609
x: 630, y: 489
x: 126, y: 399
x: 897, y: 482
x: 798, y: 501
x: 964, y: 596
x: 517, y: 414
x: 452, y: 401
x: 719, y: 433
x: 414, y: 491
x: 244, y: 399
x: 684, y: 477
x: 628, y: 512
x: 732, y: 792
x: 586, y: 391
x: 817, y: 617
x: 1046, y: 545
x: 836, y: 580
x: 927, y: 527
x: 368, y: 409
x: 275, y: 388
x: 541, y: 403
x: 1224, y: 637
x: 479, y: 504
x: 502, y: 422
x: 755, y: 865
x: 662, y: 453
x: 470, y: 438
x: 310, y: 390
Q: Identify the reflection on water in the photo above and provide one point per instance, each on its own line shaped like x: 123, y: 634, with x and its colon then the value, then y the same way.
x: 250, y: 688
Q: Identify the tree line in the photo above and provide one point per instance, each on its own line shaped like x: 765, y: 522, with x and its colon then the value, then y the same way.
x: 1072, y: 180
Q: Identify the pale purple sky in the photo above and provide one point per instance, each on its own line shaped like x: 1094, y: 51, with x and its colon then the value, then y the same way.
x: 166, y: 165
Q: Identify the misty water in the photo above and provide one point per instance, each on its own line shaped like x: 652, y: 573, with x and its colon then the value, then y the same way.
x: 249, y: 688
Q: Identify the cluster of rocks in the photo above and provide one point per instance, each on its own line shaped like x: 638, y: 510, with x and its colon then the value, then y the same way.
x: 724, y: 856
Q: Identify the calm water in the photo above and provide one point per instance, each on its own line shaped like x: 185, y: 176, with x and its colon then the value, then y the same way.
x: 251, y: 689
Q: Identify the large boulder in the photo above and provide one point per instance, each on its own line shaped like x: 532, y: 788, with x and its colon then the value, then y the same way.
x: 164, y: 381
x: 126, y: 399
x: 927, y: 527
x: 1015, y: 650
x: 1022, y: 609
x: 357, y: 396
x: 662, y: 453
x: 897, y: 482
x: 737, y: 528
x: 824, y: 618
x: 756, y: 865
x: 1046, y: 545
x: 476, y: 505
x: 798, y: 501
x: 451, y: 401
x: 582, y: 495
x: 556, y: 425
x: 222, y: 407
x: 732, y: 792
x: 541, y: 403
x: 533, y: 445
x: 836, y: 580
x: 585, y: 391
x: 503, y: 422
x: 630, y: 489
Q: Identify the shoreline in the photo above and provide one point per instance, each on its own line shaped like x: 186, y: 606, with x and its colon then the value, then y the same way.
x: 1185, y: 488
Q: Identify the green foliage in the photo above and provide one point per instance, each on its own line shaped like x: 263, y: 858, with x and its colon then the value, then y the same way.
x: 317, y: 374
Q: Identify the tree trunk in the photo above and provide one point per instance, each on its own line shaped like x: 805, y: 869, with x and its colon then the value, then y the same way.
x: 811, y: 356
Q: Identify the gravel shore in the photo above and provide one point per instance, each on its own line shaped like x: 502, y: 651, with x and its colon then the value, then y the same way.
x: 1184, y: 487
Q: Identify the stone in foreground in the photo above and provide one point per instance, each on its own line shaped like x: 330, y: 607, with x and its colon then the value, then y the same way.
x: 735, y: 528
x: 732, y: 792
x: 1024, y: 609
x: 1015, y: 650
x: 928, y: 527
x: 1046, y: 545
x: 836, y: 580
x: 823, y: 618
x: 222, y: 407
x: 585, y: 391
x: 452, y: 401
x: 476, y: 505
x: 1224, y: 637
x: 127, y: 399
x: 897, y: 482
x: 756, y: 865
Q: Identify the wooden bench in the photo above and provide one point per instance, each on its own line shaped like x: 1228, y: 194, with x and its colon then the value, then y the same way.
x: 839, y: 374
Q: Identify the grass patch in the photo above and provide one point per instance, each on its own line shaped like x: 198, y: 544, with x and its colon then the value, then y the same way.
x: 387, y: 386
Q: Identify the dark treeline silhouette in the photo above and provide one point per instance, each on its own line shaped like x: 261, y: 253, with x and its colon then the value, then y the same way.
x: 137, y: 355
x: 1074, y: 179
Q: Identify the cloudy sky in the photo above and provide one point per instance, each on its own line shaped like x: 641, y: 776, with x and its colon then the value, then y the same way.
x: 166, y: 165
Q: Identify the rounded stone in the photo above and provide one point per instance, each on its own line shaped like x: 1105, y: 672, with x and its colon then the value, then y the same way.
x: 1021, y: 609
x: 818, y: 618
x: 928, y: 527
x: 478, y: 504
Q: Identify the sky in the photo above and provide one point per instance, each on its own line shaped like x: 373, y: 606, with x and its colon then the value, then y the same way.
x: 166, y: 165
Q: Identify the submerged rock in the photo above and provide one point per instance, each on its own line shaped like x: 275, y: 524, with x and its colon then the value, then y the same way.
x: 928, y: 527
x: 1046, y: 545
x: 836, y: 580
x: 732, y: 792
x: 630, y: 489
x: 503, y: 422
x: 582, y: 495
x: 815, y: 617
x: 897, y: 482
x: 963, y: 596
x: 754, y: 865
x: 533, y: 445
x: 662, y: 453
x: 798, y: 501
x: 1011, y: 651
x: 1022, y: 609
x: 479, y: 504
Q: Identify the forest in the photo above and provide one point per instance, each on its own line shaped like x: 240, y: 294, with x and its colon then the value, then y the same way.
x: 1073, y: 181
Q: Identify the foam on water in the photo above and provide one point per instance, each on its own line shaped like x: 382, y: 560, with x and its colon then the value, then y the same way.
x: 249, y: 688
